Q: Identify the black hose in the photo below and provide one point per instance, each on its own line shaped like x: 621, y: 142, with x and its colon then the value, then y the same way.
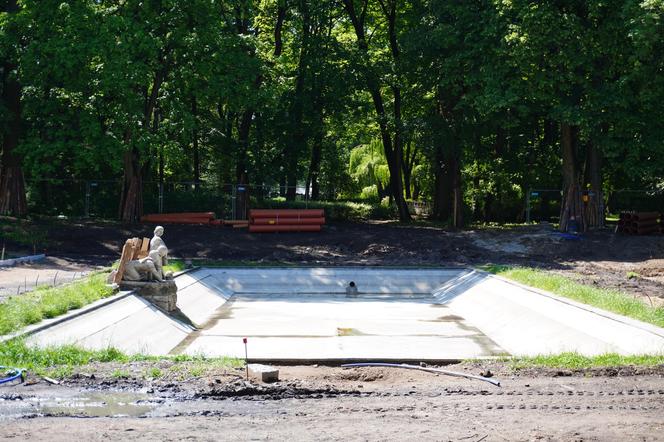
x: 427, y: 369
x: 13, y: 374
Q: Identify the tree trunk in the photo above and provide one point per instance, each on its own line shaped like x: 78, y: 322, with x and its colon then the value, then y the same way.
x: 416, y: 191
x: 317, y: 142
x: 409, y: 156
x: 457, y: 193
x: 314, y: 167
x: 131, y: 202
x: 12, y: 183
x: 396, y: 179
x: 282, y: 184
x: 161, y: 165
x: 194, y: 137
x: 406, y: 184
x: 242, y: 168
x: 392, y: 152
x: 571, y: 208
x: 442, y: 186
x: 197, y: 162
x: 594, y: 207
x: 299, y: 144
x: 131, y: 199
x: 448, y: 199
x: 281, y: 15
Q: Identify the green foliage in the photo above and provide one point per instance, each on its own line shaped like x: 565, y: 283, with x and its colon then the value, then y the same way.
x: 217, y: 91
x: 368, y: 167
x: 48, y: 302
x: 611, y: 300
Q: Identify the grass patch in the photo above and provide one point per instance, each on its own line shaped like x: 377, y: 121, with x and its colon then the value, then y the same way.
x: 121, y: 374
x: 47, y: 302
x: 154, y: 373
x: 60, y: 361
x: 23, y: 233
x: 575, y: 361
x: 16, y: 353
x: 174, y: 265
x: 607, y: 299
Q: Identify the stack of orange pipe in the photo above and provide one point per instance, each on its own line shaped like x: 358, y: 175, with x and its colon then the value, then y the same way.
x: 639, y: 223
x: 286, y: 220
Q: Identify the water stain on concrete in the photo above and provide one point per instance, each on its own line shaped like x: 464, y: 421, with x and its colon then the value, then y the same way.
x: 349, y: 332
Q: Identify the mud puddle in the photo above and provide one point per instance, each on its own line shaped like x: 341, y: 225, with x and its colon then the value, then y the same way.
x: 79, y: 404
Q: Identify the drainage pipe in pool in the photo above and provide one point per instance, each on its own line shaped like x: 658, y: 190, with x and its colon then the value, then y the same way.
x: 427, y: 369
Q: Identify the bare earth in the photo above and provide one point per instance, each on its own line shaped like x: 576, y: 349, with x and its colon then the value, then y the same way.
x: 633, y: 264
x: 601, y: 258
x: 49, y: 271
x: 331, y: 403
x: 328, y: 403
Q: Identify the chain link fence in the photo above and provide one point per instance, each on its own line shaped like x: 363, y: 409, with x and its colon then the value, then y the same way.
x: 101, y: 199
x: 544, y: 204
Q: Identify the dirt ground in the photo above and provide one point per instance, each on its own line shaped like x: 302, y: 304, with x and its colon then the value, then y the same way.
x: 332, y: 403
x: 634, y: 264
x: 49, y: 271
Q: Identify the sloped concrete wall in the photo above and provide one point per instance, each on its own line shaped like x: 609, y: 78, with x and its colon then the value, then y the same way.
x: 529, y: 322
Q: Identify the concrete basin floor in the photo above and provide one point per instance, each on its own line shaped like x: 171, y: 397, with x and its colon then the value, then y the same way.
x: 304, y: 315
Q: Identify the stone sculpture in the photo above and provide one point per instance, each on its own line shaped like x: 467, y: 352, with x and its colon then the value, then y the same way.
x: 157, y: 242
x: 148, y: 268
x: 141, y: 268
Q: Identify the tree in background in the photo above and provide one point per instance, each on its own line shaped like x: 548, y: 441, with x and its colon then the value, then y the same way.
x: 473, y: 103
x: 369, y: 169
x: 12, y: 183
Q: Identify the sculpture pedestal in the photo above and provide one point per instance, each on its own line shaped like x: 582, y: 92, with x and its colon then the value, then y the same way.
x: 162, y: 294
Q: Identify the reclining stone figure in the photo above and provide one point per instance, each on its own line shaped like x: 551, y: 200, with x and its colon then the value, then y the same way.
x: 148, y: 268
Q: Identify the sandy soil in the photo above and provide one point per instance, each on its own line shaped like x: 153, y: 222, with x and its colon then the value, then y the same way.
x: 331, y: 403
x: 49, y: 271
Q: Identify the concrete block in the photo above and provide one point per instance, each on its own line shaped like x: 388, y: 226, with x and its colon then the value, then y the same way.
x: 264, y: 373
x: 162, y: 294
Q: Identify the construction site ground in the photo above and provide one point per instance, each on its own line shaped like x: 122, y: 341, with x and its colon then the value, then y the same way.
x: 633, y: 264
x: 331, y: 403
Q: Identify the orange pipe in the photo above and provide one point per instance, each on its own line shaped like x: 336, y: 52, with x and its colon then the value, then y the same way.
x: 177, y: 220
x: 286, y: 213
x: 266, y: 229
x: 287, y: 221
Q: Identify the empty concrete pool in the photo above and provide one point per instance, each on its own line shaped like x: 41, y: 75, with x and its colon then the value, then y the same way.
x: 306, y: 314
